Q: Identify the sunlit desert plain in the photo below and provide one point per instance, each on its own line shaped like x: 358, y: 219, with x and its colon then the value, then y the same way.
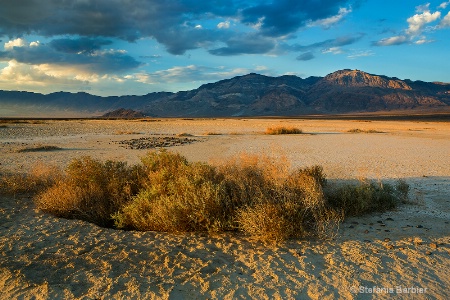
x: 404, y: 252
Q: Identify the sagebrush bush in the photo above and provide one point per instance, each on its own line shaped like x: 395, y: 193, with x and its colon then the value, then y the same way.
x: 258, y: 195
x: 91, y: 190
x: 178, y: 197
x: 367, y: 197
x: 283, y: 130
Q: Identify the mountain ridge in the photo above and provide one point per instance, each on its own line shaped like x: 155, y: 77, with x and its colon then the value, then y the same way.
x: 343, y: 91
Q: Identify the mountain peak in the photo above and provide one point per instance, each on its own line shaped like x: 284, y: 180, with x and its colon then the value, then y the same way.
x: 357, y: 78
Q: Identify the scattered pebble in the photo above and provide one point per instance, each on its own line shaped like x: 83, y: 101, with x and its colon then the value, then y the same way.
x: 433, y: 245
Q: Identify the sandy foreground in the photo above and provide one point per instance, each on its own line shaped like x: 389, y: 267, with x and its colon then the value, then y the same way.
x: 402, y: 254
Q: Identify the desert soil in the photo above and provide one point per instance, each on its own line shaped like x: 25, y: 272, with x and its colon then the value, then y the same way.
x: 403, y: 253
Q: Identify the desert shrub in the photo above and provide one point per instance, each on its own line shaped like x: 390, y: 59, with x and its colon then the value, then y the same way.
x: 91, y: 190
x: 178, y: 197
x: 283, y: 130
x: 257, y: 195
x: 367, y: 197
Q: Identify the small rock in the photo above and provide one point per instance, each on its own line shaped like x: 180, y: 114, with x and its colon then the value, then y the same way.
x: 419, y: 226
x: 428, y: 253
x: 367, y: 241
x: 389, y: 219
x: 366, y: 231
x: 351, y: 226
x: 387, y: 230
x: 355, y: 223
x: 390, y: 247
x: 433, y: 245
x: 387, y: 239
x: 380, y: 222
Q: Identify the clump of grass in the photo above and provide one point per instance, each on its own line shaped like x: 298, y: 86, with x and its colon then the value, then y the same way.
x: 367, y: 197
x: 283, y: 130
x: 91, y: 190
x: 357, y: 130
x: 257, y: 195
x: 39, y: 149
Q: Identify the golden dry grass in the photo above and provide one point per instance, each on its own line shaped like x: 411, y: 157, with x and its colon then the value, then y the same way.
x: 283, y: 130
x: 257, y: 195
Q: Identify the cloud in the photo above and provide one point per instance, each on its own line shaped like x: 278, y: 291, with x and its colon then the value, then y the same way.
x: 18, y: 74
x: 358, y: 54
x: 245, y: 44
x: 306, y: 56
x: 85, y: 55
x: 417, y: 25
x: 445, y: 21
x: 327, y: 44
x: 224, y: 25
x: 193, y: 73
x: 328, y: 22
x: 418, y: 22
x: 444, y: 5
x: 394, y: 40
x: 14, y: 43
x: 333, y: 50
x: 284, y: 17
x: 80, y: 45
x: 177, y: 24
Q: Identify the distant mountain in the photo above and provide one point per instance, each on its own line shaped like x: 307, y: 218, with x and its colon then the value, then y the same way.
x: 344, y: 91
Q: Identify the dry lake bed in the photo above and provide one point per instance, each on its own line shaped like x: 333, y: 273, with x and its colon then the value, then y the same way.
x: 403, y: 253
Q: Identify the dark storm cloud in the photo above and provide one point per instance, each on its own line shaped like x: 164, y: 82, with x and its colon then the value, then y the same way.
x: 337, y: 42
x: 287, y: 16
x: 170, y: 22
x: 78, y: 45
x: 306, y: 56
x: 247, y: 44
x: 99, y: 61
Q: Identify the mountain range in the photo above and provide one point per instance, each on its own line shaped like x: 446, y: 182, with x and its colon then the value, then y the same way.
x: 343, y: 91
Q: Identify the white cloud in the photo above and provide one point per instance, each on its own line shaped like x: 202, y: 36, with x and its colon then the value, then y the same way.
x: 15, y: 43
x: 444, y: 5
x: 423, y: 41
x: 445, y: 21
x: 224, y: 25
x: 394, y: 40
x: 358, y: 54
x: 418, y: 21
x: 328, y: 22
x: 193, y: 73
x: 333, y: 50
x: 16, y: 75
x: 35, y: 44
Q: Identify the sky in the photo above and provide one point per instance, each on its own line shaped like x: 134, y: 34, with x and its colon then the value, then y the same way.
x: 135, y: 47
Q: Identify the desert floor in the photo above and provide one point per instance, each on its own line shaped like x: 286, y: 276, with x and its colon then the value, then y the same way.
x: 403, y: 253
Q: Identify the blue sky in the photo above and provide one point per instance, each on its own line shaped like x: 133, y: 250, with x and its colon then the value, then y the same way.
x: 122, y: 47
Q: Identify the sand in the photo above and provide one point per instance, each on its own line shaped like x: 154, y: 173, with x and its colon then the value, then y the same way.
x: 403, y: 253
